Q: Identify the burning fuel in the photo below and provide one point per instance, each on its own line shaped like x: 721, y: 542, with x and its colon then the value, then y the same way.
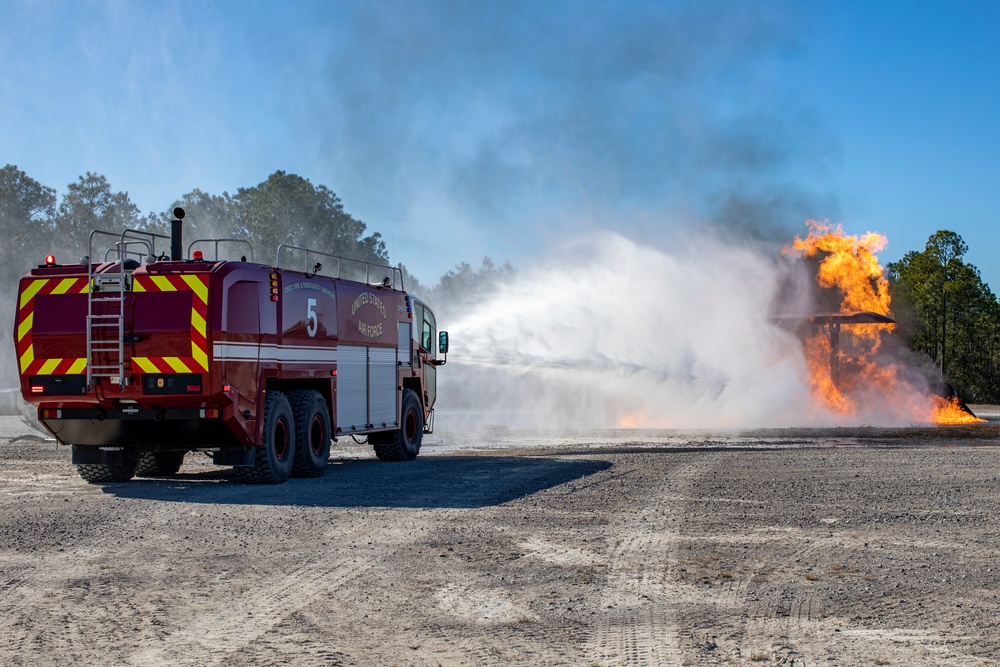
x: 712, y: 333
x: 850, y: 265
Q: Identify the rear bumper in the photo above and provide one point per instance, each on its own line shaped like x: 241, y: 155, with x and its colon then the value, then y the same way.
x: 135, y: 426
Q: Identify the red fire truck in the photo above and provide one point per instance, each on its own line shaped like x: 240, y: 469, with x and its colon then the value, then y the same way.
x: 137, y: 358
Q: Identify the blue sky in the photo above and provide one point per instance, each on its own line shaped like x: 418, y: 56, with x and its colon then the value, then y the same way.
x: 461, y: 129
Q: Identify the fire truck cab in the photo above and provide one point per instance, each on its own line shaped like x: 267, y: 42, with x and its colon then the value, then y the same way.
x: 138, y: 358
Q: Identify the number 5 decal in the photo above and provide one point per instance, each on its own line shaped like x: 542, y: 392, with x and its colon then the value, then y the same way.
x: 311, y: 315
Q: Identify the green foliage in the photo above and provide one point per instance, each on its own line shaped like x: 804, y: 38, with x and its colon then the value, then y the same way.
x: 90, y: 204
x: 26, y: 211
x: 284, y: 209
x: 949, y: 314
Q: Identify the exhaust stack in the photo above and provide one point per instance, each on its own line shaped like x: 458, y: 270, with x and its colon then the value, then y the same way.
x: 176, y: 245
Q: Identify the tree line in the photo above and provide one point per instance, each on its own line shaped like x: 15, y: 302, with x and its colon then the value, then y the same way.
x: 947, y: 313
x: 285, y: 208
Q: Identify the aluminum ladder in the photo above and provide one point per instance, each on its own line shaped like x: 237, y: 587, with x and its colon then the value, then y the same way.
x: 106, y: 325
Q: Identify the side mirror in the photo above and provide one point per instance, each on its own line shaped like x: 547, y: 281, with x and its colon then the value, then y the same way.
x: 443, y: 342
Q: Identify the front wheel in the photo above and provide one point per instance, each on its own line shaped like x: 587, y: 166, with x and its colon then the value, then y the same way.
x: 274, y: 456
x: 403, y: 444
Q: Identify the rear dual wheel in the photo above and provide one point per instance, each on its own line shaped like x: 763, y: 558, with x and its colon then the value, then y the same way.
x: 157, y: 464
x: 274, y: 457
x: 98, y: 473
x: 312, y: 433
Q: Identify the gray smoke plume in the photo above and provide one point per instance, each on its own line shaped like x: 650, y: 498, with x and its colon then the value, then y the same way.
x: 463, y: 121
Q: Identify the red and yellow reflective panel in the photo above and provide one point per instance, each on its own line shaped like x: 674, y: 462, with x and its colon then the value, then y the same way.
x: 27, y: 362
x: 197, y: 284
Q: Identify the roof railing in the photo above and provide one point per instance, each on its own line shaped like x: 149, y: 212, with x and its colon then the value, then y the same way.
x: 342, y: 267
x: 121, y: 250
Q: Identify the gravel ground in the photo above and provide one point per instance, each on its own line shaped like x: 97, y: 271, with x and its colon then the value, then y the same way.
x: 842, y: 547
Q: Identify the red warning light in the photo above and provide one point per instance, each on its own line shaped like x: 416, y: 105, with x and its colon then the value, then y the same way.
x: 50, y: 260
x: 198, y: 255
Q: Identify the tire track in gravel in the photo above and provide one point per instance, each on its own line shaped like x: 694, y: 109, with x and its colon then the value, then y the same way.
x: 222, y: 627
x: 638, y: 617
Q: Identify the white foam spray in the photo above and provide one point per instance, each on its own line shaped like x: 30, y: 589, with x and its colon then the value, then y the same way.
x: 615, y: 334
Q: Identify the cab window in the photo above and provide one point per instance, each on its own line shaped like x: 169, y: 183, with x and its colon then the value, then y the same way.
x: 427, y: 331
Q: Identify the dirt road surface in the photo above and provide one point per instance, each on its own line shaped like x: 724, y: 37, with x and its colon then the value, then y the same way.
x: 864, y: 547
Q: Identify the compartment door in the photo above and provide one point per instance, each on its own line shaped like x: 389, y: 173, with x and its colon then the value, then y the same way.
x: 352, y: 389
x: 382, y: 386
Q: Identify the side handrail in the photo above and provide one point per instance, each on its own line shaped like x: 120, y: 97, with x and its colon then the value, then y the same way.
x: 394, y: 277
x: 216, y: 243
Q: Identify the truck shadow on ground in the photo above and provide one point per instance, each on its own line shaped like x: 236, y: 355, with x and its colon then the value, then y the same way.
x: 433, y: 482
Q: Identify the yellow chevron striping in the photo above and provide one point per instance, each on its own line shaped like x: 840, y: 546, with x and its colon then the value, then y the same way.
x: 198, y: 322
x: 27, y: 358
x: 163, y: 284
x: 200, y: 355
x: 176, y: 364
x: 64, y: 285
x: 31, y: 290
x: 145, y: 364
x: 25, y: 326
x: 49, y: 366
x: 198, y: 286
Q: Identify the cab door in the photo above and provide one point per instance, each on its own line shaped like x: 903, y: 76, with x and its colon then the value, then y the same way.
x: 425, y: 332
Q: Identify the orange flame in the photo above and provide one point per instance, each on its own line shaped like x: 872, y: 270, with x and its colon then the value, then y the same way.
x: 850, y: 264
x: 949, y: 411
x: 631, y: 420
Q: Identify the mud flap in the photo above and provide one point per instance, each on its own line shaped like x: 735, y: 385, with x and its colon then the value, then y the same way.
x: 234, y: 457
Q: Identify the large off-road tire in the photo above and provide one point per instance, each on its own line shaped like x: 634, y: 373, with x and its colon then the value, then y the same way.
x: 274, y: 456
x: 158, y: 464
x: 403, y: 444
x: 100, y: 473
x: 312, y: 433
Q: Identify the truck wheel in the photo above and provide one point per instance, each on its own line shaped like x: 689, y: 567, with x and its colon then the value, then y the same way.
x: 403, y: 444
x: 98, y: 473
x: 156, y: 464
x: 312, y: 433
x: 273, y: 457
